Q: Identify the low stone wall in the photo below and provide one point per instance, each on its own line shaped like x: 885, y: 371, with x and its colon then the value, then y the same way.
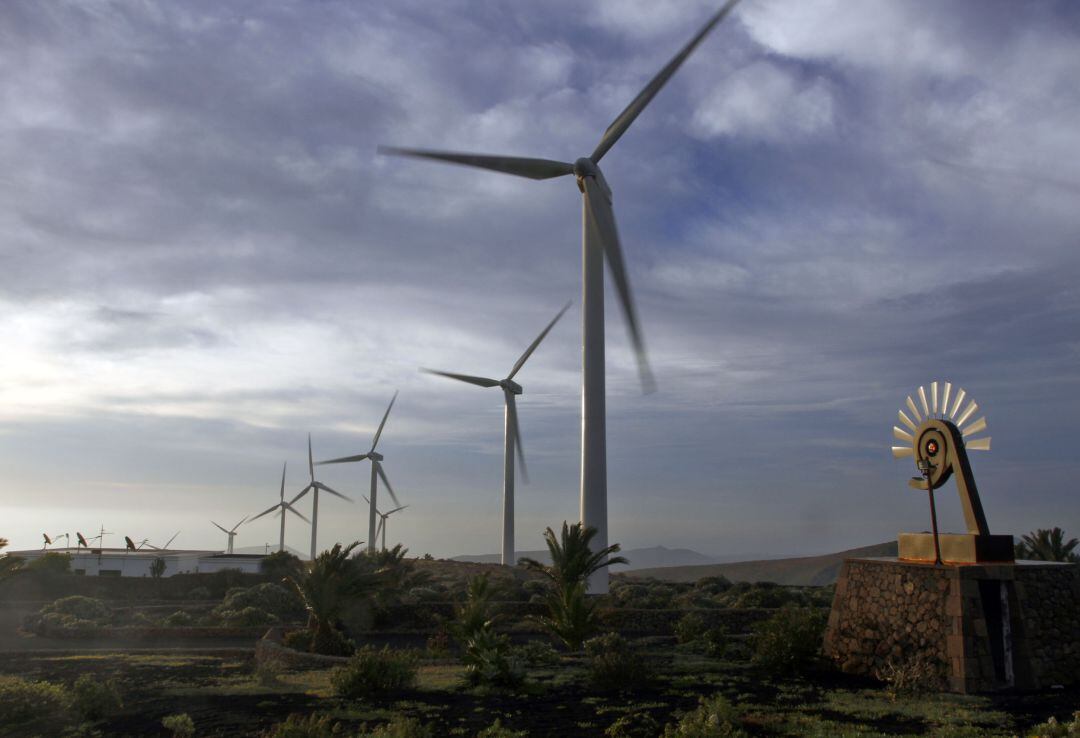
x: 889, y: 612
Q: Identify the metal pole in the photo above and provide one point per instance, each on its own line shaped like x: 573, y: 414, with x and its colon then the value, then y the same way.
x: 508, y: 489
x: 593, y: 406
x: 371, y: 510
x: 933, y: 514
x: 314, y: 519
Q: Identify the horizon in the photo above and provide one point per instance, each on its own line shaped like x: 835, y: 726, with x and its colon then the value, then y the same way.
x: 205, y: 260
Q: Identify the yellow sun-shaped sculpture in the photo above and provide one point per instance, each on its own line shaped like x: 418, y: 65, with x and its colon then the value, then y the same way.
x: 933, y: 409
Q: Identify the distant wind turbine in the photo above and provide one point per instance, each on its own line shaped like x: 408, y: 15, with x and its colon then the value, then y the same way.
x: 511, y: 433
x: 377, y: 473
x: 382, y: 521
x: 600, y: 241
x: 230, y: 533
x: 281, y: 507
x: 314, y: 487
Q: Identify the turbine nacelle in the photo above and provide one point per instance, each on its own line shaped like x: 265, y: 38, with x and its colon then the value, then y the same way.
x: 375, y: 455
x: 586, y: 167
x: 511, y: 386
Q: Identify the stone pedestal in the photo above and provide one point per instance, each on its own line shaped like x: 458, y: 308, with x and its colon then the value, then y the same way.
x: 985, y: 627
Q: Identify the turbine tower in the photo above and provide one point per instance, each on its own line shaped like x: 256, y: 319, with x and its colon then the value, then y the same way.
x: 281, y: 507
x: 382, y: 521
x: 511, y: 434
x: 600, y: 241
x: 377, y: 473
x: 230, y: 533
x: 314, y: 488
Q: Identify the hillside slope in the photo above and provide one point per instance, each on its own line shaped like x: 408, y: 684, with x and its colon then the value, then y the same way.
x: 806, y: 570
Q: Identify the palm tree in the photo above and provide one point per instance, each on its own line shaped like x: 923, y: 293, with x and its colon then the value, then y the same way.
x: 1047, y: 545
x: 571, y: 616
x: 333, y: 583
x: 572, y: 561
x: 8, y: 563
x: 476, y: 613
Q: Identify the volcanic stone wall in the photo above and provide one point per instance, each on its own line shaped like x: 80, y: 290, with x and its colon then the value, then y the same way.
x: 889, y: 613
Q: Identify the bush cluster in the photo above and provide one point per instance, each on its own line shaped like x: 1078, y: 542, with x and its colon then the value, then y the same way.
x: 715, y: 717
x: 93, y: 699
x: 790, y: 639
x: 22, y: 700
x: 262, y: 604
x: 1053, y: 729
x: 491, y: 661
x: 615, y: 664
x: 370, y: 671
x: 180, y: 725
x: 71, y: 615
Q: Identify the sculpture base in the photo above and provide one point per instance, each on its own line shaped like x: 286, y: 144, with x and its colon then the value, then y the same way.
x: 956, y: 548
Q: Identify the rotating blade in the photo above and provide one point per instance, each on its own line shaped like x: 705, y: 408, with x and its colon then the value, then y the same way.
x: 295, y: 512
x: 532, y: 347
x: 310, y: 459
x: 396, y: 509
x: 956, y: 404
x: 922, y: 401
x: 977, y: 427
x: 914, y: 411
x: 240, y: 523
x: 382, y: 476
x: 627, y: 116
x: 479, y: 381
x: 382, y: 425
x: 268, y: 511
x: 968, y: 412
x: 343, y: 460
x: 382, y: 522
x: 601, y: 222
x: 324, y: 488
x: 933, y: 397
x: 511, y: 409
x: 219, y: 527
x: 907, y: 421
x: 516, y: 165
x: 902, y: 435
x: 283, y: 468
x: 900, y: 452
x: 978, y: 444
x: 945, y: 398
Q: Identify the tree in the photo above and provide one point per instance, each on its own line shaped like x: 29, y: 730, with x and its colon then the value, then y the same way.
x: 8, y: 564
x: 282, y: 564
x: 1047, y: 545
x: 157, y: 568
x: 333, y: 583
x: 571, y: 615
x: 475, y: 614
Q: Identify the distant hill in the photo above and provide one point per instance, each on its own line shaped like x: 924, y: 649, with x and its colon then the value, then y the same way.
x: 806, y: 570
x: 640, y: 558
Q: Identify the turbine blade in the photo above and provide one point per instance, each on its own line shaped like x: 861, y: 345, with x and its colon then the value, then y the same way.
x: 240, y: 523
x: 365, y: 499
x: 517, y: 165
x: 933, y: 397
x: 900, y: 452
x: 267, y: 511
x: 382, y: 475
x: 171, y: 539
x: 532, y: 347
x: 396, y: 509
x: 295, y: 512
x: 979, y: 444
x: 902, y: 435
x: 911, y: 407
x: 479, y: 381
x: 977, y: 427
x: 283, y: 468
x: 310, y: 459
x: 382, y: 522
x: 922, y: 401
x: 907, y: 421
x: 219, y: 527
x: 324, y: 488
x: 601, y: 222
x: 945, y: 398
x: 343, y: 460
x: 386, y: 415
x: 627, y: 116
x: 968, y: 412
x: 956, y: 405
x: 515, y: 429
x: 302, y: 492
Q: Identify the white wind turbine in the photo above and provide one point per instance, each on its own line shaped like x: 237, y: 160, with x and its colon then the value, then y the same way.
x: 511, y: 434
x: 230, y: 533
x: 377, y: 473
x: 314, y: 488
x: 600, y: 240
x: 382, y: 521
x: 281, y: 507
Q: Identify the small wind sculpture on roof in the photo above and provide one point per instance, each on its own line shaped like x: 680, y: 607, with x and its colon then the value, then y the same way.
x: 938, y: 438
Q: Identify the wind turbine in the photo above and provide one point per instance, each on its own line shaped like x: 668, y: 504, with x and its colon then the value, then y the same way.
x: 314, y: 488
x: 230, y: 533
x: 511, y: 434
x: 281, y: 507
x: 600, y: 241
x: 382, y: 521
x: 377, y: 473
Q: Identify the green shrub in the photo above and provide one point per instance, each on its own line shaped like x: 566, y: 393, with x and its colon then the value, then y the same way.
x: 180, y: 725
x: 246, y: 617
x: 438, y: 644
x: 400, y: 727
x: 919, y: 674
x: 298, y: 726
x: 613, y: 663
x: 95, y: 699
x: 22, y: 700
x: 81, y: 608
x: 51, y: 563
x: 332, y: 642
x: 714, y: 717
x: 537, y: 653
x: 178, y: 619
x: 634, y: 725
x: 269, y: 598
x: 298, y: 640
x: 690, y: 627
x: 498, y: 730
x: 198, y: 593
x: 790, y: 639
x: 1053, y: 729
x: 143, y: 619
x: 374, y: 671
x: 490, y: 661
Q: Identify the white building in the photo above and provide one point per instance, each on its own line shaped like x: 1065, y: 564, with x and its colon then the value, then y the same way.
x: 122, y: 562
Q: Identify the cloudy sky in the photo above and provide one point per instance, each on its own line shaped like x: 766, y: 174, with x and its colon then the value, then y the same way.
x: 202, y: 259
